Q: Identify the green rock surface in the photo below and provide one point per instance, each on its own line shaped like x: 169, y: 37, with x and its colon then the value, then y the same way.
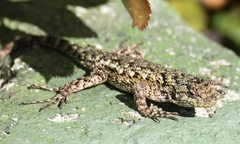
x: 103, y: 114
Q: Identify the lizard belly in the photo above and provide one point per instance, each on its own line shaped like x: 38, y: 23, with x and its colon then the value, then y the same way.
x: 121, y: 82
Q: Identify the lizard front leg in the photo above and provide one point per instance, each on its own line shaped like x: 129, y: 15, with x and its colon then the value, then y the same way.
x: 129, y: 50
x: 97, y: 76
x: 142, y: 91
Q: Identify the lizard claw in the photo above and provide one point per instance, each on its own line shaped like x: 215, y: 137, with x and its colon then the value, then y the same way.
x: 156, y: 120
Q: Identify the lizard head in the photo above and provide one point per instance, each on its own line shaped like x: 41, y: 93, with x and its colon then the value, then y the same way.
x: 196, y: 92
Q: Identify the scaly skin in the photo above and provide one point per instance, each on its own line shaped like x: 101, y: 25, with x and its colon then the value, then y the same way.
x: 126, y: 70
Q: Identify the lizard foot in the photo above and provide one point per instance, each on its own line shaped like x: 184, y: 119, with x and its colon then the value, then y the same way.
x: 61, y: 97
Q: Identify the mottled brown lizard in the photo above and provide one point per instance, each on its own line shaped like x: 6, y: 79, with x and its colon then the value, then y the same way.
x: 126, y: 70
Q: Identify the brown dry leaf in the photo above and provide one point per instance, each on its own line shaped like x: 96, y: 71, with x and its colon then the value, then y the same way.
x: 140, y: 12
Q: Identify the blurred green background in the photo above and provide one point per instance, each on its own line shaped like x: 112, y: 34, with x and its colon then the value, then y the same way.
x: 218, y: 20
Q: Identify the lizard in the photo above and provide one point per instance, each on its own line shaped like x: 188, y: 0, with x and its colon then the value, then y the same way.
x: 125, y: 69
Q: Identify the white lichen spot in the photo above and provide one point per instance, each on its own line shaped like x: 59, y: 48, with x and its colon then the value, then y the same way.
x: 30, y: 69
x: 15, y: 119
x: 83, y: 109
x: 193, y: 39
x: 66, y: 118
x: 205, y: 71
x: 159, y: 39
x: 75, y: 109
x: 204, y: 112
x: 123, y: 121
x: 226, y: 81
x: 174, y: 36
x: 98, y: 46
x: 169, y: 31
x: 8, y: 86
x: 168, y: 66
x: 80, y: 11
x: 207, y: 50
x: 4, y: 116
x: 220, y: 62
x: 154, y: 24
x: 192, y: 54
x: 18, y: 64
x: 132, y: 114
x: 88, y: 21
x: 107, y: 10
x: 93, y: 17
x: 149, y: 43
x: 229, y: 96
x: 237, y: 69
x: 171, y: 53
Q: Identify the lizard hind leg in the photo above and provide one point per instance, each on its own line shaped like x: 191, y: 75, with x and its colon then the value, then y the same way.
x: 141, y: 92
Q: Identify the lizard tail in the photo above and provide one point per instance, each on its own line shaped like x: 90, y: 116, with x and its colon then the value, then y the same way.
x: 47, y: 41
